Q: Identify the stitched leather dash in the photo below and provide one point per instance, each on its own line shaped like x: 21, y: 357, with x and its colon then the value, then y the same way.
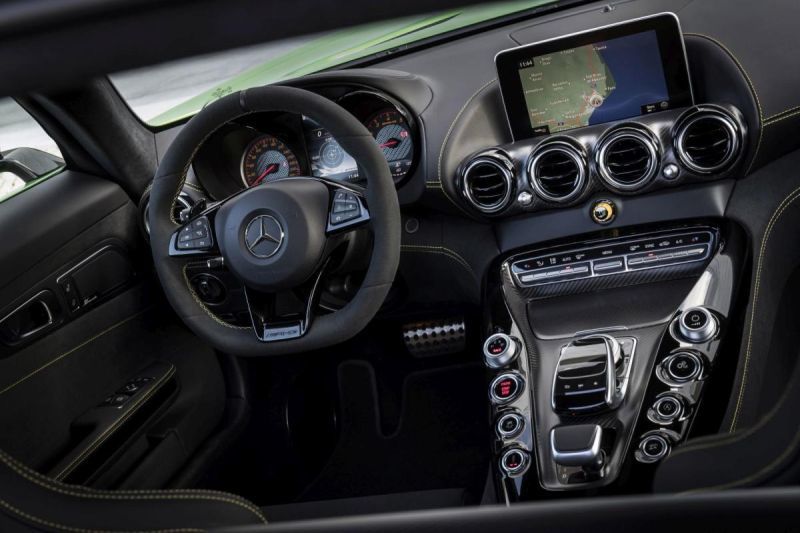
x: 447, y: 252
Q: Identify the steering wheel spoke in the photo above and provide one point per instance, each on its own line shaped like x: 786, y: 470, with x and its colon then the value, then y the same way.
x: 269, y: 325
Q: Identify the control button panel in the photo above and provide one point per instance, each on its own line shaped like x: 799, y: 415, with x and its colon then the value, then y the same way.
x: 126, y: 392
x: 346, y: 207
x: 196, y: 235
x: 500, y: 350
x: 506, y: 388
x: 70, y: 291
x: 514, y: 462
x: 614, y: 257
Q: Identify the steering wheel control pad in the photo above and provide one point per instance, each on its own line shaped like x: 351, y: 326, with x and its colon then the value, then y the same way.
x: 272, y: 237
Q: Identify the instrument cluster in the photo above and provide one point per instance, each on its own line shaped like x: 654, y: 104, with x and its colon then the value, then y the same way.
x: 262, y: 147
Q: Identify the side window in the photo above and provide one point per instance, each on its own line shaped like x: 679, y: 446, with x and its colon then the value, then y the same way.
x: 27, y: 154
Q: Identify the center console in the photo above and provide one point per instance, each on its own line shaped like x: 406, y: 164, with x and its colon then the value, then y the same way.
x: 599, y: 353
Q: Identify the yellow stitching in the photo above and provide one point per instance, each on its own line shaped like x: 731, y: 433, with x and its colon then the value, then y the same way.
x: 453, y: 124
x: 61, y: 488
x: 735, y: 437
x: 775, y: 215
x: 62, y: 527
x: 203, y: 305
x: 752, y: 89
x: 786, y: 452
x: 443, y: 251
x: 70, y: 352
x: 447, y: 139
x: 193, y: 186
x: 56, y: 486
x: 104, y: 435
x: 774, y: 119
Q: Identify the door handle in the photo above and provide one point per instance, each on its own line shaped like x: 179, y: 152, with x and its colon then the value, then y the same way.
x: 34, y: 316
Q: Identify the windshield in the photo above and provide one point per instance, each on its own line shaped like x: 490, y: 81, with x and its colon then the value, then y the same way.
x: 174, y: 91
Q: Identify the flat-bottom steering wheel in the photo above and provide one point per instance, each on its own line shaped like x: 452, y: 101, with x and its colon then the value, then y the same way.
x: 277, y: 236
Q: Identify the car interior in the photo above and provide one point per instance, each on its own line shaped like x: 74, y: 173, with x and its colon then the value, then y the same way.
x: 439, y: 266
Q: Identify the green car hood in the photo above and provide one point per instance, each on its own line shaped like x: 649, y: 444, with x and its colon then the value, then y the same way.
x: 332, y: 49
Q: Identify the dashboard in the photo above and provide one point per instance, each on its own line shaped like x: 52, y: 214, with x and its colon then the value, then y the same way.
x: 262, y: 147
x: 542, y: 166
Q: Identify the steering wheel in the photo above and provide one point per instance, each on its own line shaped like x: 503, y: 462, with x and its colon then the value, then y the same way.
x: 278, y: 236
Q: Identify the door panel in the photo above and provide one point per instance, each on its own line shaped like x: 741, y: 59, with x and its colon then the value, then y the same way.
x: 58, y: 387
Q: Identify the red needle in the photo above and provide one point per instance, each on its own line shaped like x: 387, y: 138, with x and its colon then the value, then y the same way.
x: 391, y: 143
x: 267, y: 171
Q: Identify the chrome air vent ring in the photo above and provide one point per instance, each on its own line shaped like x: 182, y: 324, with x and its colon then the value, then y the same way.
x: 692, y: 130
x: 628, y: 158
x: 557, y: 171
x: 487, y: 181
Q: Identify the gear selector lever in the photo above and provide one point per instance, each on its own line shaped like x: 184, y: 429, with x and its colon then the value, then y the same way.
x: 586, y: 375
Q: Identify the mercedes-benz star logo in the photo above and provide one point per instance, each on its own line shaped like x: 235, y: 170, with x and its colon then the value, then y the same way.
x: 263, y: 236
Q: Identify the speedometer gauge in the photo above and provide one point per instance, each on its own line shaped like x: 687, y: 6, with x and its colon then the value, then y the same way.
x: 393, y: 135
x: 268, y: 158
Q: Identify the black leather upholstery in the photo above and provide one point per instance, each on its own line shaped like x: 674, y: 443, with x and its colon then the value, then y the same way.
x: 31, y: 501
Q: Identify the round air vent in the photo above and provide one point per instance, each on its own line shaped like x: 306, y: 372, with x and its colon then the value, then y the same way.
x: 488, y: 182
x: 707, y: 140
x: 627, y: 159
x: 557, y: 171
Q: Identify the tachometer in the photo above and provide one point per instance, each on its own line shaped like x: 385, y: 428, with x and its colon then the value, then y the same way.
x: 268, y: 158
x: 393, y: 135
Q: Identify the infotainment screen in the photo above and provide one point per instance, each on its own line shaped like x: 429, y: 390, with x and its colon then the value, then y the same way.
x: 594, y: 77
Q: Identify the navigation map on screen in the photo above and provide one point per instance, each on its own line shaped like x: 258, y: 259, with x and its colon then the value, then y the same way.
x: 601, y: 82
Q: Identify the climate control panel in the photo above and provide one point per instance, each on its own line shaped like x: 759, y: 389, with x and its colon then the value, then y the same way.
x: 614, y: 257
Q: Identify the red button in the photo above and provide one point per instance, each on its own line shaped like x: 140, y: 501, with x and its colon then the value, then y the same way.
x: 506, y: 388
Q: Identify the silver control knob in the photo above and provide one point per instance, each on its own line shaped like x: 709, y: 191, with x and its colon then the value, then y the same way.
x: 680, y: 367
x: 500, y: 350
x: 666, y: 409
x: 652, y: 448
x: 697, y: 325
x: 514, y: 462
x: 510, y: 425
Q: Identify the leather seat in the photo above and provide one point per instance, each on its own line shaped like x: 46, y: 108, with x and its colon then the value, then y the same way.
x: 31, y: 501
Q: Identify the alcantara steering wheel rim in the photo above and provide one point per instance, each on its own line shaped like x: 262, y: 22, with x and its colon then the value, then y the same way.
x: 380, y: 199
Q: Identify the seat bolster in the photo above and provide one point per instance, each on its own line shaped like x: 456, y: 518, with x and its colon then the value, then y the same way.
x: 30, y: 498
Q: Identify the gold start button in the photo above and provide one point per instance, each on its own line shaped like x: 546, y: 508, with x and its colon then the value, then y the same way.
x: 604, y: 211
